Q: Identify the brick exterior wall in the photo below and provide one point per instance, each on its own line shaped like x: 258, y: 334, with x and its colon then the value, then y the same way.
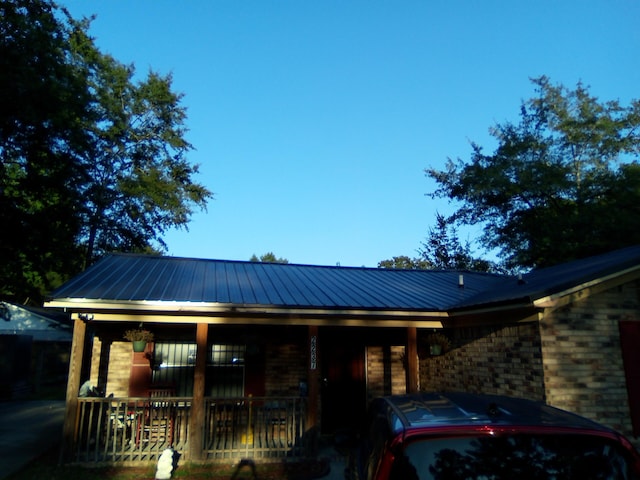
x: 571, y: 359
x: 583, y: 367
x: 385, y: 377
x: 119, y: 368
x: 494, y: 360
x: 285, y: 366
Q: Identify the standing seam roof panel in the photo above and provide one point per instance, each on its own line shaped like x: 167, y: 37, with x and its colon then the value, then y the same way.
x: 281, y: 286
x: 319, y: 291
x: 272, y: 292
x: 414, y: 293
x: 259, y: 293
x: 346, y: 291
x: 166, y: 279
x: 222, y: 283
x: 380, y: 289
x: 303, y: 293
x: 156, y: 287
x: 135, y: 281
x: 357, y: 295
x: 235, y: 292
x: 209, y: 286
x: 260, y: 289
x: 309, y: 293
x: 197, y: 283
x: 100, y: 288
x: 105, y: 286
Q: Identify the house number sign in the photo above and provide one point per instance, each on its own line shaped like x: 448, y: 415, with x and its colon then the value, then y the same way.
x: 313, y: 350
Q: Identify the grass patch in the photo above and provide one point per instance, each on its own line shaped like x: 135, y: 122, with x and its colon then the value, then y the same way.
x: 46, y: 467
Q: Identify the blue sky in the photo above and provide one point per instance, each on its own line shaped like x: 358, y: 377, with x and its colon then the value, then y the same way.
x: 313, y: 121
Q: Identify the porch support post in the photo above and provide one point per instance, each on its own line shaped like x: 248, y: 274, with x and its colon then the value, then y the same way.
x: 411, y: 355
x: 196, y: 422
x: 73, y: 386
x: 313, y: 377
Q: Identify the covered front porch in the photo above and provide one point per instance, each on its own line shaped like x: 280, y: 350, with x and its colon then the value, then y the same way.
x: 264, y: 402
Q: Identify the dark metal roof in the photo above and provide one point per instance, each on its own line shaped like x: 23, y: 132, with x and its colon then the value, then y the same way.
x: 544, y: 282
x: 123, y: 278
x: 131, y: 278
x: 433, y: 409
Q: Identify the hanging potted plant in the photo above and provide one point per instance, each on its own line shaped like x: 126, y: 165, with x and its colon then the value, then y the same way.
x: 139, y: 337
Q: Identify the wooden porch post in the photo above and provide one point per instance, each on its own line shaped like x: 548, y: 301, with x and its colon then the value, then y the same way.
x: 313, y: 377
x: 196, y: 423
x: 411, y: 355
x: 73, y: 386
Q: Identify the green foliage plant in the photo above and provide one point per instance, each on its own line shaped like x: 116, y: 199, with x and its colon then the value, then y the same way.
x: 138, y: 335
x: 93, y: 156
x: 563, y: 182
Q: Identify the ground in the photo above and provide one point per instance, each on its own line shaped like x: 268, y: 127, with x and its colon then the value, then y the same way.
x: 45, y: 467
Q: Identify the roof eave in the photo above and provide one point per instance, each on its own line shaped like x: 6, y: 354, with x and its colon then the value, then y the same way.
x: 192, y: 312
x: 585, y: 289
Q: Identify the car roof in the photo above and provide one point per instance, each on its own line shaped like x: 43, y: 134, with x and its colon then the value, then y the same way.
x: 437, y: 409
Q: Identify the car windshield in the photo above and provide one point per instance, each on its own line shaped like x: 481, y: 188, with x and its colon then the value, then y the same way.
x: 511, y: 457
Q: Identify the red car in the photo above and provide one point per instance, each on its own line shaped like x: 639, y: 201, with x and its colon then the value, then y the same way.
x: 455, y: 436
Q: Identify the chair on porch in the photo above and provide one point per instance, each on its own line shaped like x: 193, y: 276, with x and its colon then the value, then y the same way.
x: 157, y: 420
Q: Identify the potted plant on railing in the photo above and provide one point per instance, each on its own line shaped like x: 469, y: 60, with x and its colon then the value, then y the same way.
x: 139, y: 337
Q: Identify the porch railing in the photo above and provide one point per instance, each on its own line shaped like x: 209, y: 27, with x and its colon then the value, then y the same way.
x: 135, y: 430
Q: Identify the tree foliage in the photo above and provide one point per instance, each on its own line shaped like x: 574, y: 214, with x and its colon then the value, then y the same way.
x: 403, y: 262
x: 562, y: 183
x: 93, y: 158
x: 443, y: 249
x: 139, y: 180
x: 41, y: 136
x: 268, y: 257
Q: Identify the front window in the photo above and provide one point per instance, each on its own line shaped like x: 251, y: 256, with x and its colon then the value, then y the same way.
x: 174, y: 364
x: 225, y: 371
x: 511, y: 457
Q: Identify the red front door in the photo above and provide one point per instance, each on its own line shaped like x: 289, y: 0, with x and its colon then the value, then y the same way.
x: 343, y: 381
x: 630, y: 342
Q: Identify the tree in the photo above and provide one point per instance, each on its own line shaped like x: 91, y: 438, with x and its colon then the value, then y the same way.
x: 444, y: 250
x: 44, y: 104
x: 562, y: 183
x: 404, y: 262
x: 268, y: 257
x: 93, y: 158
x: 139, y: 180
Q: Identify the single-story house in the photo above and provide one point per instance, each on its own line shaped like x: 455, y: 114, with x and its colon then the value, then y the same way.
x: 256, y: 359
x: 34, y: 350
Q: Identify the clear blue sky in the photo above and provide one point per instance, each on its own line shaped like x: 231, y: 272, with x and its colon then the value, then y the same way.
x: 314, y: 120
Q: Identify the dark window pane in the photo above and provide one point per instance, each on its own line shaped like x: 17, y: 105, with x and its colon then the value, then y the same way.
x: 508, y: 457
x: 174, y: 363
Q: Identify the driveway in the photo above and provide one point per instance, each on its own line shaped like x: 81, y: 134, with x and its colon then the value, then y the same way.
x: 27, y: 430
